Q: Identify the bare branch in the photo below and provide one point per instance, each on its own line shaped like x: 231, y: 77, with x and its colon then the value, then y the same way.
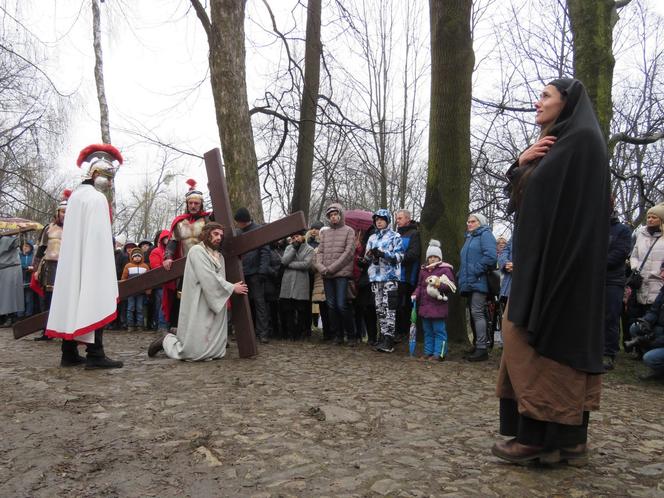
x: 203, y: 17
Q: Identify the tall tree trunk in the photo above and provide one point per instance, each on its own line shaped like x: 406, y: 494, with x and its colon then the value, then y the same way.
x: 225, y: 32
x: 592, y: 29
x: 448, y: 178
x: 99, y: 74
x: 305, y: 142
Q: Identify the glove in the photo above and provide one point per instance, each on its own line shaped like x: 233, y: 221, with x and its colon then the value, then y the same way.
x: 377, y: 253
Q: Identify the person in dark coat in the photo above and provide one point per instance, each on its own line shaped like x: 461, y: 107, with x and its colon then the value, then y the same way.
x: 255, y: 265
x: 553, y: 331
x: 410, y: 266
x: 620, y: 242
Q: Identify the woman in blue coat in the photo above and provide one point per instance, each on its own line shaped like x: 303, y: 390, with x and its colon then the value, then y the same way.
x: 478, y: 255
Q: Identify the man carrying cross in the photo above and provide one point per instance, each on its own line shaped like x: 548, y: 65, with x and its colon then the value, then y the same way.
x: 203, y: 324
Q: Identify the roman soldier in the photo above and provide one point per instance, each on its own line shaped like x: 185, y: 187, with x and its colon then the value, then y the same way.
x: 85, y: 292
x: 186, y: 228
x: 47, y: 255
x: 185, y: 231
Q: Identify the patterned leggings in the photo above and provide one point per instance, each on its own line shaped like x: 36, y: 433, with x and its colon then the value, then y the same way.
x: 387, y: 298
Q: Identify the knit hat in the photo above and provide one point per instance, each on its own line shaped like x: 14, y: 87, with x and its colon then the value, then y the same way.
x: 242, y: 215
x: 136, y: 251
x: 121, y: 239
x: 480, y: 217
x: 434, y: 249
x: 658, y: 210
x: 316, y: 225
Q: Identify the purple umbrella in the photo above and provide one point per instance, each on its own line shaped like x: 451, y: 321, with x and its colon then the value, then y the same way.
x: 359, y: 219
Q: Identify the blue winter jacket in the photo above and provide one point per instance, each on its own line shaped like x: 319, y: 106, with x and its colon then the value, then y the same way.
x: 478, y: 255
x: 506, y: 276
x: 387, y: 268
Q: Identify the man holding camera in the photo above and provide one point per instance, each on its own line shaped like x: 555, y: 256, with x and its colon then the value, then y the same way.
x: 648, y: 335
x: 620, y: 241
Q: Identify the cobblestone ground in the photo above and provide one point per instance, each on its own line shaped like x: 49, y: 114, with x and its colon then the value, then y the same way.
x: 301, y: 419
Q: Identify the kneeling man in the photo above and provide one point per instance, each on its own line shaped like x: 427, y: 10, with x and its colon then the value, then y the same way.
x: 203, y: 320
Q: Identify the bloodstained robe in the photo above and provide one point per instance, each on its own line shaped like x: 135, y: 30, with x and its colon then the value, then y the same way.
x: 85, y: 293
x: 203, y: 320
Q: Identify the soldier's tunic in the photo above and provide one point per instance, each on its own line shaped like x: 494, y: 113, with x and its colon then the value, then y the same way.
x: 185, y: 230
x: 48, y: 254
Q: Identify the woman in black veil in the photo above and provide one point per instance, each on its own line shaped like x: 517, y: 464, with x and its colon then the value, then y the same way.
x: 553, y: 326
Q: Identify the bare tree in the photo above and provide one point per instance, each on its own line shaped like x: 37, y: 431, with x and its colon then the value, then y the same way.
x: 307, y: 131
x: 224, y: 28
x: 99, y: 73
x: 448, y: 180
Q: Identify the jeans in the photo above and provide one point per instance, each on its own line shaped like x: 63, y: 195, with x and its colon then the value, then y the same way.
x: 435, y: 337
x: 478, y: 318
x: 655, y: 360
x: 614, y: 304
x: 135, y: 306
x: 157, y: 295
x: 29, y: 300
x: 339, y: 310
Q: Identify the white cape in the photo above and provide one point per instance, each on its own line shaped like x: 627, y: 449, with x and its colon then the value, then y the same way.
x: 202, y: 323
x: 85, y: 293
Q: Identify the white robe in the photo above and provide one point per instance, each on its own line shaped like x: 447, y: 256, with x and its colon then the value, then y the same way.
x: 85, y: 293
x: 203, y: 320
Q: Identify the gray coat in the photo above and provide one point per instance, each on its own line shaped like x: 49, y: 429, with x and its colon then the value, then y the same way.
x: 295, y: 282
x: 11, y: 276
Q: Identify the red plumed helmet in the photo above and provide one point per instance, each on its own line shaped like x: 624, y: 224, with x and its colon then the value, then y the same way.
x: 91, y: 149
x: 63, y: 200
x: 193, y: 192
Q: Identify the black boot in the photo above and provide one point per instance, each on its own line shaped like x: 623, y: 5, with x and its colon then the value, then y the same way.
x: 478, y: 355
x: 95, y: 362
x: 96, y: 356
x: 386, y: 345
x: 156, y: 346
x: 70, y: 356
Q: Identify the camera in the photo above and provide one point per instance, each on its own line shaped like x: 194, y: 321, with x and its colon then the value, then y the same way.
x: 643, y: 335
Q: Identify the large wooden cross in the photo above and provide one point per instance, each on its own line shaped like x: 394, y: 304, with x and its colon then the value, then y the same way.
x: 233, y: 247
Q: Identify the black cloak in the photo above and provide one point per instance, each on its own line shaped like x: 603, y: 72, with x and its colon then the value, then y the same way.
x: 560, y: 240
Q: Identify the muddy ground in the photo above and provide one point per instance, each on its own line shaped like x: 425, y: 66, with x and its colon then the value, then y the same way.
x: 301, y: 419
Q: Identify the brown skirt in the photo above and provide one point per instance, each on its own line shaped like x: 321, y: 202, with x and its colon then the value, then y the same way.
x: 543, y: 388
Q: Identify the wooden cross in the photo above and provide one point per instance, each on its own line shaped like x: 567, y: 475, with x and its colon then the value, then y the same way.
x: 233, y: 247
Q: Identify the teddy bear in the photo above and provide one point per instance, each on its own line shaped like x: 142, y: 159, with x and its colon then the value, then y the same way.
x: 433, y: 284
